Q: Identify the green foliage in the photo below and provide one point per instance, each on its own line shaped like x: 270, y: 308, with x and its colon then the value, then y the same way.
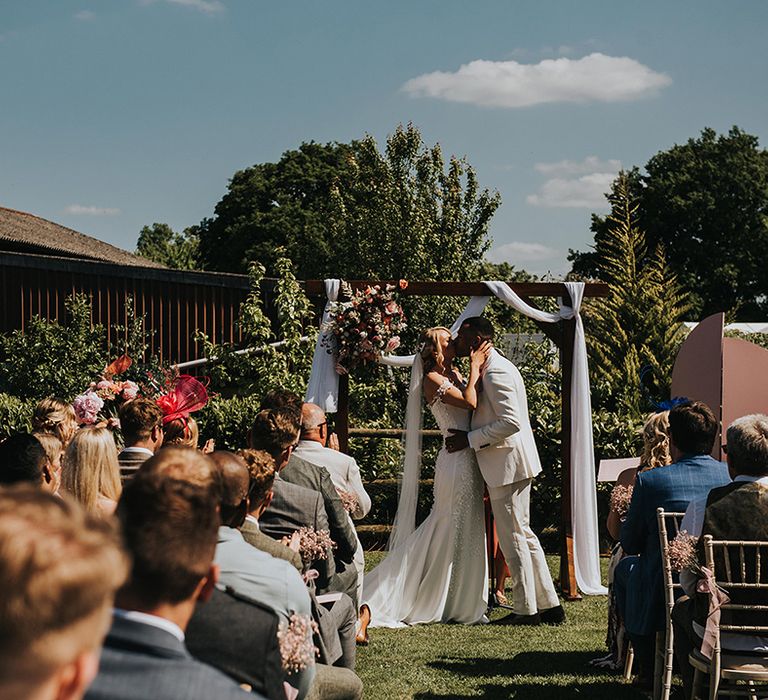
x: 53, y: 359
x: 706, y: 202
x: 163, y: 245
x: 638, y: 328
x: 228, y: 421
x: 15, y: 415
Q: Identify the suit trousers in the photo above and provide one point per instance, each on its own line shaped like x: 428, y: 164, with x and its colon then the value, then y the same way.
x: 532, y: 587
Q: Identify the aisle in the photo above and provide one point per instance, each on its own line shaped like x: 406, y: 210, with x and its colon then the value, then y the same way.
x: 454, y: 661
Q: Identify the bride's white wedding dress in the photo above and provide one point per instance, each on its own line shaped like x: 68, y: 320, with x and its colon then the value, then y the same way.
x: 439, y: 574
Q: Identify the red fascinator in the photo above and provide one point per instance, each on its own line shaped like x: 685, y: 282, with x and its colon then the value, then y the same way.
x: 187, y: 395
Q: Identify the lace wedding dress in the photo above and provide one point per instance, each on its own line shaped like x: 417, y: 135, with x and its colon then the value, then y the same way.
x: 438, y: 574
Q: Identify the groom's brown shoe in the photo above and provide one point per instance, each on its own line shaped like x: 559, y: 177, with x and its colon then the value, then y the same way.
x: 553, y: 616
x: 515, y: 619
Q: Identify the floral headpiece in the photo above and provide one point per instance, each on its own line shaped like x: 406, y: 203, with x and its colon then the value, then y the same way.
x: 187, y: 395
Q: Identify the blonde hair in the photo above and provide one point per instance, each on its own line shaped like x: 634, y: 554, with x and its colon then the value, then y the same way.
x: 655, y: 434
x: 181, y: 432
x: 59, y: 570
x: 57, y: 417
x: 90, y: 467
x: 429, y: 347
x: 261, y: 470
x: 51, y: 444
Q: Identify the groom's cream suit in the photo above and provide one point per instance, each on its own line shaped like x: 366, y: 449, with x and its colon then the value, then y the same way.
x: 506, y: 451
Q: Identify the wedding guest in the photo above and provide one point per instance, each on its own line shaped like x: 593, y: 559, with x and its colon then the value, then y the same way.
x: 141, y: 422
x: 336, y: 618
x: 54, y: 451
x: 59, y: 569
x: 655, y: 434
x: 23, y: 460
x: 269, y: 580
x: 57, y: 417
x: 169, y: 528
x: 342, y: 468
x: 638, y: 580
x: 736, y: 511
x: 91, y: 473
x: 181, y: 432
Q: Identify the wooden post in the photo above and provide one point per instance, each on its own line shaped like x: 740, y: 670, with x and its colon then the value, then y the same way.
x: 342, y: 414
x: 568, y: 585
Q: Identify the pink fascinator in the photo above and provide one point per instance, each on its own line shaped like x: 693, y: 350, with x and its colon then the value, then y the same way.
x: 188, y: 395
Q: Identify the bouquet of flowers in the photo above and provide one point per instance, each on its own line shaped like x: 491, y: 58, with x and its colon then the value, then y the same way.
x: 348, y: 500
x: 621, y: 497
x: 106, y: 395
x: 365, y: 327
x: 297, y: 649
x: 682, y: 552
x: 313, y: 544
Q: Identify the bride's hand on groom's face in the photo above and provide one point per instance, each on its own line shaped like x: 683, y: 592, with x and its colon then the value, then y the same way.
x: 479, y: 355
x: 457, y: 441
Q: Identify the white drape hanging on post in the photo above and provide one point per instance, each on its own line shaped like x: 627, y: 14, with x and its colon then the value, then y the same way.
x: 324, y: 387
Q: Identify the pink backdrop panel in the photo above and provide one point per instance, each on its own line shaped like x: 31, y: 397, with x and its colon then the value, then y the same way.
x: 745, y: 379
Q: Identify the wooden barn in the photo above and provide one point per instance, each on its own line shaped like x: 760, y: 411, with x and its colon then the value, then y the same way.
x: 41, y: 263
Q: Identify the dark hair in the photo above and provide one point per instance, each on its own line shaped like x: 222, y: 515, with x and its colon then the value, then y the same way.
x: 480, y: 325
x: 280, y: 398
x: 693, y: 428
x: 170, y: 529
x: 274, y: 430
x: 137, y: 418
x: 22, y: 459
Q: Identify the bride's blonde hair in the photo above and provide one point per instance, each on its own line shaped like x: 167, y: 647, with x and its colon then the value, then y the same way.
x: 429, y: 347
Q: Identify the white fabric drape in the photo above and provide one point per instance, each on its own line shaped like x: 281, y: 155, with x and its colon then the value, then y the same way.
x: 323, y: 390
x: 323, y: 386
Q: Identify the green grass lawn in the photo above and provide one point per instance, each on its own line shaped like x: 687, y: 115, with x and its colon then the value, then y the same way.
x: 484, y: 661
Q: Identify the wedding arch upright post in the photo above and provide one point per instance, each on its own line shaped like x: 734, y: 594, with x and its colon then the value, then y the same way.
x: 562, y: 334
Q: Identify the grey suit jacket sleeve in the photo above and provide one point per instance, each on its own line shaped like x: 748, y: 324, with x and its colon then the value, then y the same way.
x: 341, y: 530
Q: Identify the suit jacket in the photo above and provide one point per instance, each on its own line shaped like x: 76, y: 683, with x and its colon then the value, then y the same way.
x: 130, y: 462
x: 738, y: 511
x: 140, y: 661
x: 256, y: 538
x: 672, y: 488
x: 311, y: 476
x: 501, y: 432
x: 238, y: 635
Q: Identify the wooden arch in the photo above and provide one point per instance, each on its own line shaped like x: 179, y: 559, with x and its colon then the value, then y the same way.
x: 562, y: 334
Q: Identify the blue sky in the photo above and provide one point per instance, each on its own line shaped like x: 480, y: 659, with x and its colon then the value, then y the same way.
x: 118, y: 113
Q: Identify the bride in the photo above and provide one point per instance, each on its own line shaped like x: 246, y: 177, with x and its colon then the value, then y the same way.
x: 437, y: 572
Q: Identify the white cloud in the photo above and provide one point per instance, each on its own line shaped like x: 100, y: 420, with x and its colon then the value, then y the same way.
x: 517, y: 252
x: 510, y: 84
x: 209, y: 7
x: 80, y: 210
x: 586, y: 191
x: 85, y: 16
x: 591, y: 164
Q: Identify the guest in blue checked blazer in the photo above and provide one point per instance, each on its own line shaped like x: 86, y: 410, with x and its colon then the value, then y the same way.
x: 638, y: 580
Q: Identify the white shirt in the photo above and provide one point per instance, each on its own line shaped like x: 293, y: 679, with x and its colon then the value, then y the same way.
x: 249, y: 518
x: 152, y: 620
x: 345, y: 474
x: 139, y: 450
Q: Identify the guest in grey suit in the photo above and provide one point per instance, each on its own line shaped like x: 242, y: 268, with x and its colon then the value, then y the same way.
x: 169, y: 527
x: 141, y: 422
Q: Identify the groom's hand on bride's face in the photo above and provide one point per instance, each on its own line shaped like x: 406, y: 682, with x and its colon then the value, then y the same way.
x: 457, y: 441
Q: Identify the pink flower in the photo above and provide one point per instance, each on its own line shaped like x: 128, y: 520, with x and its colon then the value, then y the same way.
x: 393, y: 344
x: 348, y: 500
x: 130, y: 390
x: 682, y: 551
x: 297, y: 649
x: 621, y: 497
x: 87, y: 407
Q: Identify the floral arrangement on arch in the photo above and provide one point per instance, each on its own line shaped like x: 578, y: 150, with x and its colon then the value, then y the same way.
x: 101, y: 401
x: 364, y: 325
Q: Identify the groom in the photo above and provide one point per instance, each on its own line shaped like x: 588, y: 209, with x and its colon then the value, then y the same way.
x: 506, y: 452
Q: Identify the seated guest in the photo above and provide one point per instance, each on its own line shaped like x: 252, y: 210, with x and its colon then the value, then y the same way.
x: 169, y: 528
x: 23, y: 460
x: 737, y: 511
x: 638, y: 580
x: 268, y: 580
x: 59, y: 569
x: 54, y: 451
x: 57, y: 417
x: 183, y: 432
x: 312, y: 476
x: 336, y: 618
x: 91, y: 471
x: 141, y: 422
x: 343, y: 470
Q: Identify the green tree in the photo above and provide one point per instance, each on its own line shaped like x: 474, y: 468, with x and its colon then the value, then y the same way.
x: 706, y: 202
x: 637, y: 328
x: 163, y: 245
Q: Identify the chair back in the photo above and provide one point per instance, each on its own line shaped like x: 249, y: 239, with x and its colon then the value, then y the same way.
x: 669, y: 528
